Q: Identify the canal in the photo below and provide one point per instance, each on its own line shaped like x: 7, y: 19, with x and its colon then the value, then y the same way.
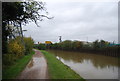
x: 89, y: 66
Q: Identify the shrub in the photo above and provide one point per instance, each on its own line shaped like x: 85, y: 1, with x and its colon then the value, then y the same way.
x: 29, y: 43
x: 15, y: 47
x: 42, y: 46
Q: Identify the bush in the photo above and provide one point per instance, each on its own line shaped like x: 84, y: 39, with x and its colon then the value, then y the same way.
x: 29, y: 43
x: 15, y: 47
x: 41, y: 46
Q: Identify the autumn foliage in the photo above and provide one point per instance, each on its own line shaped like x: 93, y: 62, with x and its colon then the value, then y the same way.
x: 14, y: 47
x: 17, y: 48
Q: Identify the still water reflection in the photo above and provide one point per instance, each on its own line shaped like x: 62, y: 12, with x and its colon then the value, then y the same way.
x: 89, y: 66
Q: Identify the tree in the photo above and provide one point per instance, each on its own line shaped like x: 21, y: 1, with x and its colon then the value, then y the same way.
x: 103, y: 43
x: 18, y: 14
x: 96, y: 44
x: 28, y: 44
x: 67, y: 44
x: 77, y: 45
x: 22, y: 12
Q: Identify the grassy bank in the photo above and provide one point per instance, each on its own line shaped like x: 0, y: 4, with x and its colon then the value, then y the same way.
x: 12, y: 71
x: 57, y: 70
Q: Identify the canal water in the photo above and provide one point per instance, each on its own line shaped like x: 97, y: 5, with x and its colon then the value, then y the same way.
x: 89, y: 66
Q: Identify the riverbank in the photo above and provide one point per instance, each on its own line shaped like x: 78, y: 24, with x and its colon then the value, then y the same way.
x: 57, y: 70
x: 105, y: 52
x: 89, y: 66
x: 12, y: 71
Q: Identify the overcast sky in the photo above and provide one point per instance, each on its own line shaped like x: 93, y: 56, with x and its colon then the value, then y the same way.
x: 76, y: 20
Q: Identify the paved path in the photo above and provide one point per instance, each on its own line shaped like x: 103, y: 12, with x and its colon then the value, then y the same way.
x: 36, y: 68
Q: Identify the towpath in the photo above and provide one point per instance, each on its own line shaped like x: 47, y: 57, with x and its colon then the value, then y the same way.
x: 36, y: 68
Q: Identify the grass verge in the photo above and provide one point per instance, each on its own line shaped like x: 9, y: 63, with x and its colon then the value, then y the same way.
x: 57, y: 70
x: 13, y: 71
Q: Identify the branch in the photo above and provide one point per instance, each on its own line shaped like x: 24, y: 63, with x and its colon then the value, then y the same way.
x: 47, y: 17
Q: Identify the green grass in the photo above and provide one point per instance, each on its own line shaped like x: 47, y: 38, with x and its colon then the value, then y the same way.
x: 57, y: 70
x: 13, y: 71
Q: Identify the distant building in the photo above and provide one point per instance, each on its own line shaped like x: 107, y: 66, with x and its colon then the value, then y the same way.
x: 112, y: 44
x: 48, y: 42
x: 84, y: 42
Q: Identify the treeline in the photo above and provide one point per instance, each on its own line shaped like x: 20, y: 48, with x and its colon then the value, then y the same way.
x: 14, y: 16
x: 97, y: 47
x: 16, y: 49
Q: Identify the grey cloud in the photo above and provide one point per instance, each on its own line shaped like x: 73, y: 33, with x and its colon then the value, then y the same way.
x: 77, y: 21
